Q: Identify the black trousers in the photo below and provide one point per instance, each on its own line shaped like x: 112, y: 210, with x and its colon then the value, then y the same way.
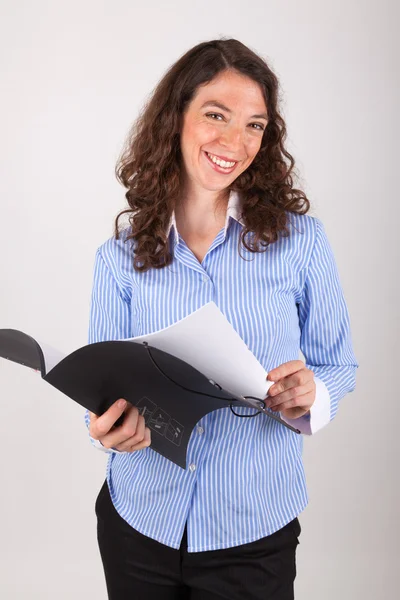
x: 137, y: 567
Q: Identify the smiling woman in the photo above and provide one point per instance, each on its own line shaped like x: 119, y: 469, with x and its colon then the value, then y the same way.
x: 214, y: 216
x: 228, y: 140
x: 217, y: 105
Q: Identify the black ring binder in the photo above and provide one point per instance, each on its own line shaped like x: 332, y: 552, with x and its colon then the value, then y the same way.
x: 171, y: 394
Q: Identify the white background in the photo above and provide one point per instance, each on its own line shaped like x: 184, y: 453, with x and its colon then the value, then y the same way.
x: 73, y: 77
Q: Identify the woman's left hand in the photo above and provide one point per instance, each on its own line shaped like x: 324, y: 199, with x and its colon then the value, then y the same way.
x: 293, y: 392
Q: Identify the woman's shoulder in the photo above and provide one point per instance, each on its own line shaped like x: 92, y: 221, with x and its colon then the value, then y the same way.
x: 304, y: 231
x: 303, y: 224
x: 115, y: 246
x: 117, y: 254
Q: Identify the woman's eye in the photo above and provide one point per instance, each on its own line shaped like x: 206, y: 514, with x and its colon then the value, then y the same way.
x: 258, y: 126
x: 213, y: 115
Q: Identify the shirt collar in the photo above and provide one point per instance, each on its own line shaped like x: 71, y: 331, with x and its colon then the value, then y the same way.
x: 233, y: 210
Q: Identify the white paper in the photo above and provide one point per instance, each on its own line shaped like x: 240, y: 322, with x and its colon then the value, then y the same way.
x: 206, y: 340
x: 51, y: 355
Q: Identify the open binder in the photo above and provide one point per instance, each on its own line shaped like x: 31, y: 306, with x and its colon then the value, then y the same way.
x: 171, y: 394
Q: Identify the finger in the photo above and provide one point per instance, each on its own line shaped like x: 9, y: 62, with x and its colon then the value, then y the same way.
x: 119, y: 435
x: 132, y: 446
x: 292, y: 393
x: 285, y: 369
x: 294, y: 413
x: 136, y: 438
x: 100, y: 426
x: 304, y: 401
x: 298, y: 379
x: 146, y: 441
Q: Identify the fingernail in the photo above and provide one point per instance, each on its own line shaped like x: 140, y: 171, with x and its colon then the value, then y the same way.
x: 121, y: 403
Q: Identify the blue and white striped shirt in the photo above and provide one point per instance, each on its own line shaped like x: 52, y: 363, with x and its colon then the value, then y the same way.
x: 246, y: 478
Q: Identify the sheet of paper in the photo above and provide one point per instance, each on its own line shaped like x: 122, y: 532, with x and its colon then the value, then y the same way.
x: 52, y: 356
x: 206, y: 340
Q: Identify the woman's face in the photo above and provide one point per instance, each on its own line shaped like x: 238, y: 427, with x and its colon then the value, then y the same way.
x: 224, y: 121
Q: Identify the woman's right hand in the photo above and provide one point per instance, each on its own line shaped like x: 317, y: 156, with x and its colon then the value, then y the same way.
x: 132, y: 435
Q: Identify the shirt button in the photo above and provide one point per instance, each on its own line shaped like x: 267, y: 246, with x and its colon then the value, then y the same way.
x: 200, y: 430
x: 192, y: 467
x: 205, y: 278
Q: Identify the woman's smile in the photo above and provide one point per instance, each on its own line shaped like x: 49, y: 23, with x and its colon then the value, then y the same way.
x: 219, y: 165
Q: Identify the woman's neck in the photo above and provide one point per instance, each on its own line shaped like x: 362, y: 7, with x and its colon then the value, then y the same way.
x: 202, y: 212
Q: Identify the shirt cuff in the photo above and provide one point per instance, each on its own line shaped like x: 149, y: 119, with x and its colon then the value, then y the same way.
x: 320, y: 412
x: 99, y: 445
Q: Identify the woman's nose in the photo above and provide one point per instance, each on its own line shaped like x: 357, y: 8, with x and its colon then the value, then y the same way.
x: 232, y: 137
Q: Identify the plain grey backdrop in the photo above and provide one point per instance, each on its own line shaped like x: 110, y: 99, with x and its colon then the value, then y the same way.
x: 74, y: 76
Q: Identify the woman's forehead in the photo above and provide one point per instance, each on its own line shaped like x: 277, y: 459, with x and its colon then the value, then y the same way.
x: 230, y: 90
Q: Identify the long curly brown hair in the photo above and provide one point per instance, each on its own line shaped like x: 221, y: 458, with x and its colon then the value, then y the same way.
x: 150, y: 163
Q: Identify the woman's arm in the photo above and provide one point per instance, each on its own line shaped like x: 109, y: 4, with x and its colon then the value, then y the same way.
x: 325, y: 336
x: 110, y: 307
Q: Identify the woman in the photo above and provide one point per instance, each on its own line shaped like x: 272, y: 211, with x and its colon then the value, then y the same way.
x: 213, y: 215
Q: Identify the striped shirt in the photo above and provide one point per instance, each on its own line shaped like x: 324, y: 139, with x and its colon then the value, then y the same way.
x: 245, y: 477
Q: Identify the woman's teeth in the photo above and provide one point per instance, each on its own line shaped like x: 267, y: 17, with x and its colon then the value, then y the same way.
x: 219, y: 162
